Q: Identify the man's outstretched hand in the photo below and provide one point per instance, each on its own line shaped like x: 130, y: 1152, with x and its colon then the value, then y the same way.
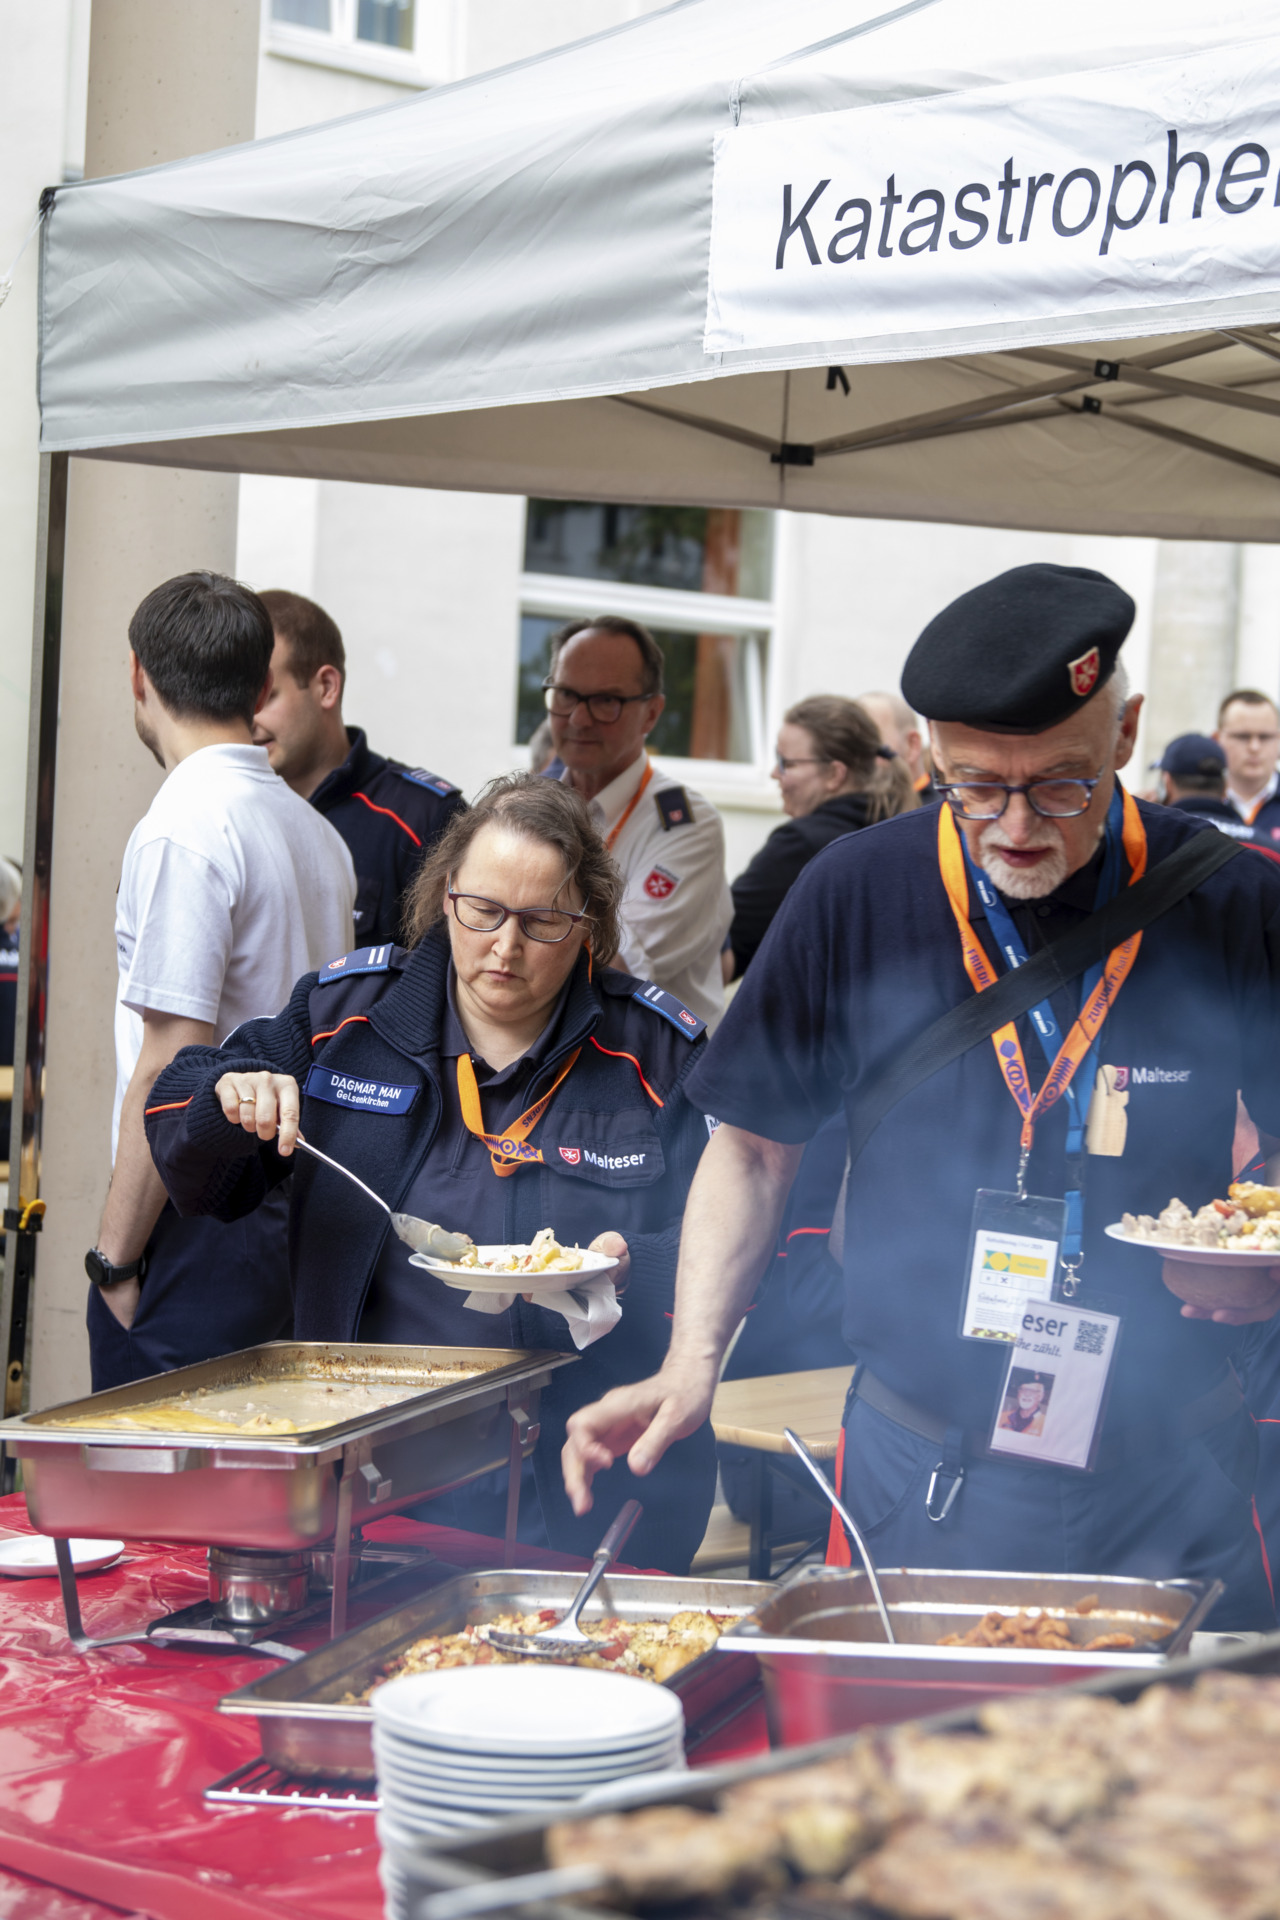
x: 641, y: 1421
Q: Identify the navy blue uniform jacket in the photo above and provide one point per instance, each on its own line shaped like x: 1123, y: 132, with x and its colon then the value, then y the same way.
x: 631, y: 1143
x: 389, y: 815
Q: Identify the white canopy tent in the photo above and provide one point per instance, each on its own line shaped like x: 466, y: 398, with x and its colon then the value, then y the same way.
x: 965, y: 260
x: 497, y: 285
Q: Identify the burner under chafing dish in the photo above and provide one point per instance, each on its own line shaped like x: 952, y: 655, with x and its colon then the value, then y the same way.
x: 249, y: 1588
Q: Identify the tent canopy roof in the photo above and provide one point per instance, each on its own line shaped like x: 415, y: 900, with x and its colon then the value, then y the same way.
x: 503, y: 284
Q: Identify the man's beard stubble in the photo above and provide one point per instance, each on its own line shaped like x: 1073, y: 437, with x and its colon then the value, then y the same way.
x: 1031, y: 884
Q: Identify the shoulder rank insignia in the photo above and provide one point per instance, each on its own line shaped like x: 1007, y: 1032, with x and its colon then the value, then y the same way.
x: 673, y: 808
x: 434, y: 782
x: 658, y: 1000
x: 363, y: 960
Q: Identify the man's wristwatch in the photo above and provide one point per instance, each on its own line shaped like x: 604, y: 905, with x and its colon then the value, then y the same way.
x: 103, y: 1274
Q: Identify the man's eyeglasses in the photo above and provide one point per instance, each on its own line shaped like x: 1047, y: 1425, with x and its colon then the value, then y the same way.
x: 604, y: 707
x: 548, y: 924
x: 988, y: 799
x: 784, y: 766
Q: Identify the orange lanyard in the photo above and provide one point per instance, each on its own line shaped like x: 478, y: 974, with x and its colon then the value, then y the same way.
x: 982, y: 974
x: 511, y: 1149
x: 630, y: 808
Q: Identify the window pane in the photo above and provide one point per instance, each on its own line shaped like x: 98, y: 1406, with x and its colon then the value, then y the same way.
x: 712, y: 683
x: 303, y: 13
x: 388, y: 23
x: 699, y: 549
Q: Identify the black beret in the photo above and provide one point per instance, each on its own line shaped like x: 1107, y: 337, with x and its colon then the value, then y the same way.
x: 1020, y: 653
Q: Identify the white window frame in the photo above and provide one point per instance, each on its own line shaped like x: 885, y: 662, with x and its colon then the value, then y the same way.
x: 339, y: 48
x: 742, y: 783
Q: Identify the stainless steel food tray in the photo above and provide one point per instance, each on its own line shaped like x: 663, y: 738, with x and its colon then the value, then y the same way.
x: 827, y: 1668
x: 280, y: 1492
x: 518, y: 1847
x: 307, y: 1729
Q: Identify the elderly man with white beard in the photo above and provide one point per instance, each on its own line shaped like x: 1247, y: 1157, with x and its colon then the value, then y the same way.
x: 993, y: 1142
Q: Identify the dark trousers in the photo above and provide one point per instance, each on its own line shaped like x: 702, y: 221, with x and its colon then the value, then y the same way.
x: 1182, y: 1512
x: 209, y: 1289
x: 1259, y: 1368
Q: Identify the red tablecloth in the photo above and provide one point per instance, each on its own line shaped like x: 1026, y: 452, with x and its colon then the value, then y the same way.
x: 104, y: 1756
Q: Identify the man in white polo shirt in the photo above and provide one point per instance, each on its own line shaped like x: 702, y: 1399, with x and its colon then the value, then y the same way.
x: 232, y: 887
x: 604, y: 696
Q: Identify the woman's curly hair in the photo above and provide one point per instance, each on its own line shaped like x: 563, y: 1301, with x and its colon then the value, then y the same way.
x: 538, y: 809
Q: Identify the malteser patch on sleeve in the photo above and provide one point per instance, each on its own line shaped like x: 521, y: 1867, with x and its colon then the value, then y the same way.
x: 660, y: 883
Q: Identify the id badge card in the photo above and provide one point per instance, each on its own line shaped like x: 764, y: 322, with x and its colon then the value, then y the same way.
x: 1054, y: 1396
x: 1013, y: 1261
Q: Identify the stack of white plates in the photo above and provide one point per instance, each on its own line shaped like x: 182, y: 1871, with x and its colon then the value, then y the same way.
x: 463, y: 1748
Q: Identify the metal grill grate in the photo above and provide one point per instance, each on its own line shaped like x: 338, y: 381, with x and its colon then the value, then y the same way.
x: 259, y: 1784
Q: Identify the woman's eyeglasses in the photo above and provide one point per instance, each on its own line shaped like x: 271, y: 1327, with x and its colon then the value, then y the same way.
x: 988, y: 799
x: 548, y: 924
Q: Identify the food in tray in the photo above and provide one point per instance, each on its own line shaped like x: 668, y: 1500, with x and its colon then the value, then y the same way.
x: 1248, y: 1220
x: 650, y: 1649
x: 1038, y: 1632
x: 268, y: 1407
x: 1060, y: 1806
x: 543, y: 1255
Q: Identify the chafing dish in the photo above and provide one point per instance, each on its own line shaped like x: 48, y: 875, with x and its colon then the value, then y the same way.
x: 279, y: 1493
x: 827, y: 1669
x: 309, y: 1729
x: 517, y: 1847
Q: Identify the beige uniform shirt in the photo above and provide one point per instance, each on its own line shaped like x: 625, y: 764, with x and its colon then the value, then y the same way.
x: 677, y: 907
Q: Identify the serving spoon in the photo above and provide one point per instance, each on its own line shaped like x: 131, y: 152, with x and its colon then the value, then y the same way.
x: 421, y: 1235
x: 564, y: 1638
x: 798, y: 1447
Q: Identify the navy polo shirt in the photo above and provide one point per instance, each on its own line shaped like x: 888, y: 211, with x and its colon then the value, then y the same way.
x: 863, y: 956
x: 456, y: 1184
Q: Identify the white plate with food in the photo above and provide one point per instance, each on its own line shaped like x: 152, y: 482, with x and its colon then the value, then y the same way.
x: 30, y: 1556
x: 1241, y: 1231
x: 1198, y: 1256
x: 544, y: 1266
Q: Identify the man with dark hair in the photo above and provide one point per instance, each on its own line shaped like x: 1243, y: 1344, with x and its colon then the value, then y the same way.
x: 1194, y: 779
x: 231, y: 888
x: 387, y: 813
x: 604, y: 696
x: 1249, y: 735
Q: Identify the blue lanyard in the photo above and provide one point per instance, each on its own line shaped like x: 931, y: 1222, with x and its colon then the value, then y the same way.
x: 1044, y: 1020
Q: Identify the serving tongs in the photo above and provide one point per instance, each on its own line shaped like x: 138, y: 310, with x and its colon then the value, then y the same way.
x: 421, y: 1235
x: 564, y: 1639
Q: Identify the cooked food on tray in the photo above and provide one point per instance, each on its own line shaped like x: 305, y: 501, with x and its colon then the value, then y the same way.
x: 1060, y: 1806
x: 650, y: 1649
x: 1247, y: 1220
x: 1050, y: 1632
x: 543, y: 1255
x: 269, y: 1407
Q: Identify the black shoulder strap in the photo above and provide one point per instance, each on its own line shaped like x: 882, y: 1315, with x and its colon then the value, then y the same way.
x: 975, y: 1019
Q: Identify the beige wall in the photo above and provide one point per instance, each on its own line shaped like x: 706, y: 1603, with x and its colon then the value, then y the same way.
x: 164, y: 80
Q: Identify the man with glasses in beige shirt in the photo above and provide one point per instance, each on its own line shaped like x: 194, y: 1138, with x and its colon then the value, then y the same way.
x: 1249, y: 735
x: 604, y: 697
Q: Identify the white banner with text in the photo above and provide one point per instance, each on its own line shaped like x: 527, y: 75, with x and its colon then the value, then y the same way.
x: 1145, y: 185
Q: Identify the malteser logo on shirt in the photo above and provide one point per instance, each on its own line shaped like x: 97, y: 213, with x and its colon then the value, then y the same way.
x: 1127, y: 1077
x: 660, y: 884
x: 610, y: 1162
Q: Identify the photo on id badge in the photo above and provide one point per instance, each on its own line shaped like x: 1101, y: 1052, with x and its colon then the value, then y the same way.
x: 1053, y: 1398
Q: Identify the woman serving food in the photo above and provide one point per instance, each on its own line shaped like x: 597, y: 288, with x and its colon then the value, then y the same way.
x: 498, y: 1077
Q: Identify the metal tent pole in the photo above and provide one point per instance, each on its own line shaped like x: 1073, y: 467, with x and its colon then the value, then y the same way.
x: 22, y: 1215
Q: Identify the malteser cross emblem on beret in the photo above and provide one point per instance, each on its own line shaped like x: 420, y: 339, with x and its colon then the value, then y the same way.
x: 1084, y: 672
